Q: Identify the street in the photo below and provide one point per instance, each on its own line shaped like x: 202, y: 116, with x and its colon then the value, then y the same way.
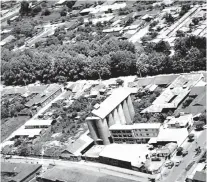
x: 179, y: 172
x: 94, y: 167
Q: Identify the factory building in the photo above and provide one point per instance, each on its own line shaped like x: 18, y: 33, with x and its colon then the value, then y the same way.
x: 116, y: 109
x: 136, y: 133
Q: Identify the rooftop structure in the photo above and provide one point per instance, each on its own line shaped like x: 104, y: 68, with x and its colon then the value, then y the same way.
x: 169, y: 135
x: 111, y: 102
x: 7, y: 40
x: 136, y: 126
x: 38, y: 123
x: 198, y: 173
x: 180, y: 122
x: 78, y: 147
x: 31, y: 133
x: 168, y: 99
x: 41, y: 99
x: 22, y: 172
x: 134, y: 155
x: 198, y: 104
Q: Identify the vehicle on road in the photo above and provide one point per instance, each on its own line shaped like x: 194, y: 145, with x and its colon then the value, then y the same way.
x: 8, y: 157
x: 177, y: 163
x: 169, y: 163
x: 184, y: 153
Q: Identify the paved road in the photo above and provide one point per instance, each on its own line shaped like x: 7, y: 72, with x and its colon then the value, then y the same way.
x: 94, y: 167
x: 178, y: 173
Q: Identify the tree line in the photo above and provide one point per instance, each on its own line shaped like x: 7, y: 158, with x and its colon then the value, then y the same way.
x: 101, y: 58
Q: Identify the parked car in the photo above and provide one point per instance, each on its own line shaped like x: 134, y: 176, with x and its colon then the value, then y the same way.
x: 8, y: 157
x: 177, y: 163
x: 169, y: 163
x: 184, y: 153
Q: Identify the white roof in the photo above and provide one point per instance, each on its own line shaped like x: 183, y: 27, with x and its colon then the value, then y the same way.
x: 172, y: 135
x: 182, y: 120
x: 111, y: 102
x: 136, y: 126
x: 126, y: 152
x: 33, y: 122
x: 27, y: 132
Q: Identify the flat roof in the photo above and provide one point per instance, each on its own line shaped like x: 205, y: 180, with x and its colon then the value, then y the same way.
x: 111, y: 102
x: 28, y: 132
x: 182, y: 120
x: 172, y: 135
x: 22, y: 169
x: 136, y: 126
x: 37, y: 122
x: 135, y: 153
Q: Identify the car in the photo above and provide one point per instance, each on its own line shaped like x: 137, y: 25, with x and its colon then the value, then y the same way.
x: 184, y: 153
x: 8, y: 157
x: 205, y: 127
x: 170, y: 167
x: 169, y: 163
x: 177, y: 163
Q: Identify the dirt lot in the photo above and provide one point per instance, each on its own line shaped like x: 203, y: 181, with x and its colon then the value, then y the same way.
x: 9, y: 125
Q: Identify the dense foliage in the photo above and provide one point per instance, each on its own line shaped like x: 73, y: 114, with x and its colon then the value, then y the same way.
x: 100, y: 57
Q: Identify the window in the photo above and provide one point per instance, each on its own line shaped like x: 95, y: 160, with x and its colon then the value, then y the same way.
x: 146, y: 129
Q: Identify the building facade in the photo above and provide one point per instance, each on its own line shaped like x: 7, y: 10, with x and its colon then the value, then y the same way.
x: 137, y: 133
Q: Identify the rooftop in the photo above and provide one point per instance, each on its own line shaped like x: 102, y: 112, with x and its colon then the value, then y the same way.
x: 79, y: 145
x: 37, y: 122
x: 27, y: 132
x: 182, y: 120
x: 136, y: 126
x: 22, y: 170
x: 94, y: 151
x: 111, y: 102
x: 200, y: 176
x: 172, y: 135
x: 126, y: 152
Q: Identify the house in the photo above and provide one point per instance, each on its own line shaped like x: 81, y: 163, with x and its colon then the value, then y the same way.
x: 184, y: 121
x: 19, y: 172
x: 198, y: 174
x: 166, y: 150
x: 45, y: 97
x: 196, y: 101
x: 27, y: 133
x: 76, y: 149
x: 168, y: 135
x: 124, y: 155
x: 8, y: 39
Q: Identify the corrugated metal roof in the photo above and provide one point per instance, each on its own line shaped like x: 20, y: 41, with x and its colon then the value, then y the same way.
x: 111, y: 102
x: 136, y: 126
x: 39, y: 122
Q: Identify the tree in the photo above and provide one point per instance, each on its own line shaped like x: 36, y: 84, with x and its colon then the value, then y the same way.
x: 63, y: 13
x: 179, y: 150
x: 162, y: 46
x: 185, y: 8
x: 24, y: 10
x: 169, y: 18
x: 180, y: 33
x: 119, y: 82
x: 195, y: 20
